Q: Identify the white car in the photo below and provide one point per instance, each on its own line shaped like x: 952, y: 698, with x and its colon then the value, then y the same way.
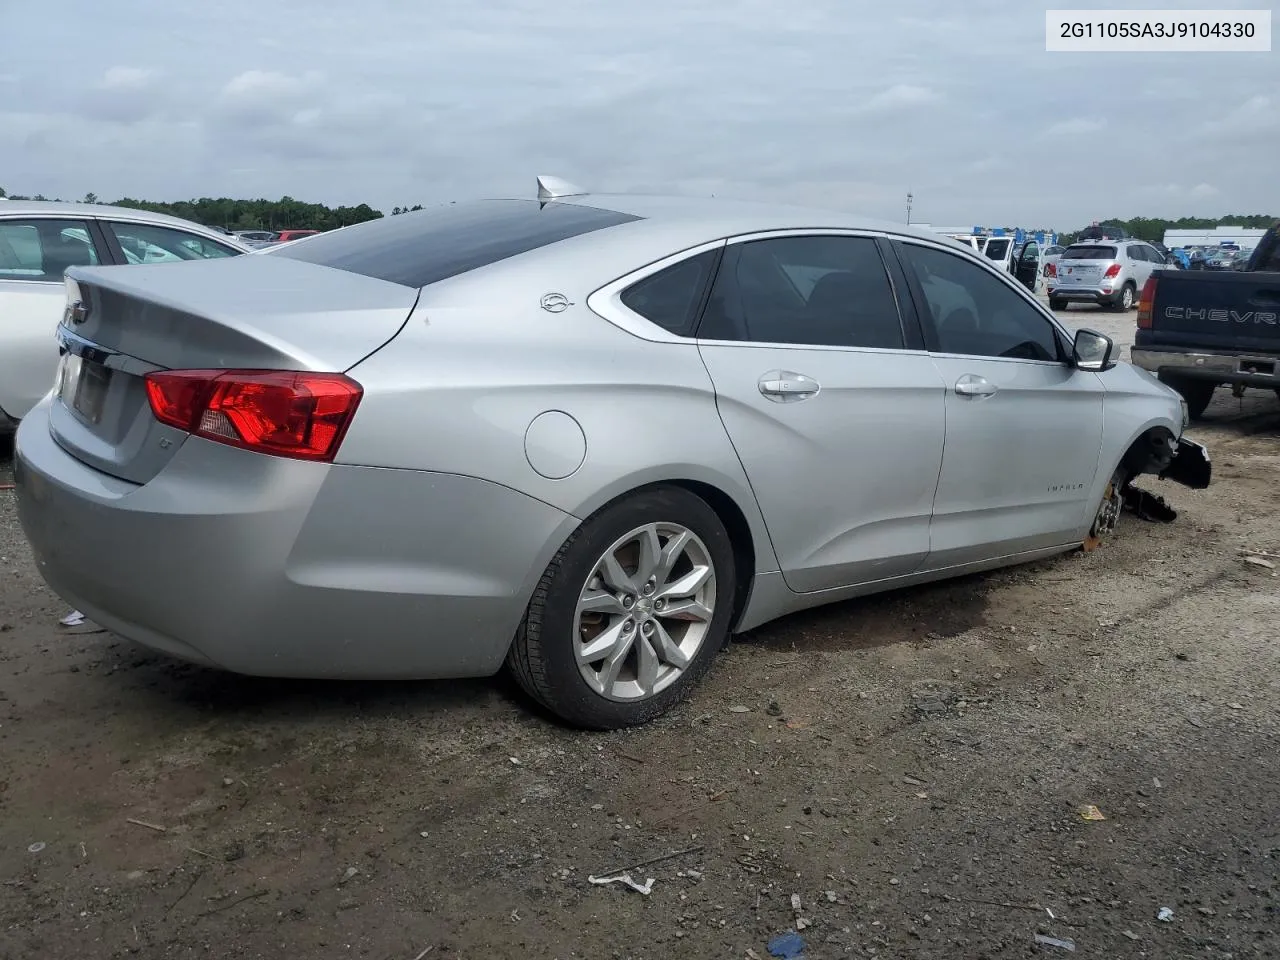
x: 39, y: 239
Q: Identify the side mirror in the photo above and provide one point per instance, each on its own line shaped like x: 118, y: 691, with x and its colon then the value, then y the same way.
x: 1093, y: 351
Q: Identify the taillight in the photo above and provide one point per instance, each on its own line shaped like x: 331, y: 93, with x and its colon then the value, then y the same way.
x: 1050, y: 270
x: 282, y: 412
x: 1145, y: 304
x: 1113, y: 271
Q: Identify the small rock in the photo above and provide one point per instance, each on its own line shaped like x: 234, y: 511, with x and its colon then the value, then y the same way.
x: 1165, y: 915
x: 1207, y: 911
x: 36, y: 847
x: 773, y: 710
x: 795, y: 902
x: 1236, y: 706
x: 597, y: 806
x: 515, y: 760
x: 351, y: 872
x: 739, y: 708
x: 894, y: 882
x: 1131, y: 935
x: 831, y: 896
x: 227, y: 781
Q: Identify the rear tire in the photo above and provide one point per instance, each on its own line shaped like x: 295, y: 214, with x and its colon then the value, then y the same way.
x: 1197, y: 393
x: 1057, y: 305
x: 592, y: 609
x: 1125, y: 299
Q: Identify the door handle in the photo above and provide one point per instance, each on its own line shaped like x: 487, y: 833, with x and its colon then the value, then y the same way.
x: 972, y: 385
x: 786, y: 386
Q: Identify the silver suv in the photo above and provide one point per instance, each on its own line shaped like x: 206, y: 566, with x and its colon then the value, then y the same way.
x: 1109, y: 273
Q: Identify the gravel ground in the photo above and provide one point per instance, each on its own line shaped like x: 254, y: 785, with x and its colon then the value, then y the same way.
x: 909, y: 769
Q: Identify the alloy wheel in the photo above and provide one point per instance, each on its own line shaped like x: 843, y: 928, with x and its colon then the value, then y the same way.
x: 645, y: 611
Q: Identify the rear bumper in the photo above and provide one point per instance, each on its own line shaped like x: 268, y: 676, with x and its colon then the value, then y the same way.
x: 1220, y: 367
x: 1083, y: 294
x: 272, y: 567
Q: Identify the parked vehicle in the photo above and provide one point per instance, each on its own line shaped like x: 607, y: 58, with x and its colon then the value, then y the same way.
x: 256, y: 239
x: 1200, y: 329
x: 38, y: 240
x: 1108, y: 274
x: 284, y: 236
x: 1102, y: 231
x: 587, y: 436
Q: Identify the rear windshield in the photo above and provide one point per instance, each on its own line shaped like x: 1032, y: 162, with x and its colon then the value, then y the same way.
x: 426, y: 246
x: 1089, y: 253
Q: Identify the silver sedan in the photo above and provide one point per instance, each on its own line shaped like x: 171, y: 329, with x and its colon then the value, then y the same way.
x: 589, y: 437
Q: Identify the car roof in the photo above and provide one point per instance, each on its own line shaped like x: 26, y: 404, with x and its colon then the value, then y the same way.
x: 729, y: 217
x: 59, y: 208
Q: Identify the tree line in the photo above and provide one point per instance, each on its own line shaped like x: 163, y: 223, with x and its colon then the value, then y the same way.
x: 1152, y: 229
x: 261, y: 214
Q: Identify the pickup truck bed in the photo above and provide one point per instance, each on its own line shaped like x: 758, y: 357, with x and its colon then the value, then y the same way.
x: 1199, y: 329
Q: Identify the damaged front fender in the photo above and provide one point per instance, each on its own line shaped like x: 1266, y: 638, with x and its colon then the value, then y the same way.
x: 1189, y: 466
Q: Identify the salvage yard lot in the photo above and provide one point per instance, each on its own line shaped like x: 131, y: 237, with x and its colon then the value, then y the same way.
x: 912, y: 766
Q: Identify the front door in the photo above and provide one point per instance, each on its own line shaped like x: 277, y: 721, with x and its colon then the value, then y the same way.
x: 1027, y: 265
x: 1024, y: 427
x: 835, y: 409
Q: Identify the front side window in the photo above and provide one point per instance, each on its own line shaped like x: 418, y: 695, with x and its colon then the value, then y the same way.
x: 974, y: 313
x: 148, y: 243
x: 822, y: 291
x: 672, y: 296
x: 43, y: 249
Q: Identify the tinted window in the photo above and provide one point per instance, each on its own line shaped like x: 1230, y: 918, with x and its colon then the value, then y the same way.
x: 147, y: 243
x: 1090, y: 252
x: 828, y: 291
x: 43, y: 249
x: 427, y: 246
x: 1052, y: 251
x: 671, y: 297
x: 1137, y: 252
x: 975, y: 313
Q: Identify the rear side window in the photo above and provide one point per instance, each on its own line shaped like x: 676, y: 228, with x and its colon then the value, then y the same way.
x: 43, y: 249
x: 148, y: 243
x: 1089, y: 253
x: 672, y: 296
x: 828, y: 291
x: 426, y: 246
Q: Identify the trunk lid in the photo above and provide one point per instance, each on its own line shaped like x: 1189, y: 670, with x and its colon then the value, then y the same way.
x: 256, y: 313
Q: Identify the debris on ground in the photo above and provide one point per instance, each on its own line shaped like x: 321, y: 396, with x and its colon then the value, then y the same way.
x: 739, y: 708
x: 1148, y: 506
x: 1055, y: 942
x: 1259, y: 561
x: 1165, y: 915
x: 787, y: 945
x: 72, y: 619
x: 1131, y: 935
x: 1091, y: 812
x: 773, y: 710
x: 625, y: 879
x: 36, y: 847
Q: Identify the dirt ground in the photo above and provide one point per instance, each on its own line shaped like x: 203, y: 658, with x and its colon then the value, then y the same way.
x: 911, y: 767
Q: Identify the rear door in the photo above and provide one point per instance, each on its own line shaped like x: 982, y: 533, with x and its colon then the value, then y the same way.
x: 1023, y: 426
x: 831, y: 402
x: 34, y: 253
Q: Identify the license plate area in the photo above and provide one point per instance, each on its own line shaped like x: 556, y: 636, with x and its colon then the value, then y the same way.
x: 82, y: 387
x: 1264, y: 368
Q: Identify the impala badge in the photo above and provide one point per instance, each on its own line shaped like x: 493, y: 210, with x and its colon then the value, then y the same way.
x: 556, y: 303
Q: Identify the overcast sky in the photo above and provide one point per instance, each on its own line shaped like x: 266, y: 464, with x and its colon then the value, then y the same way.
x: 834, y: 102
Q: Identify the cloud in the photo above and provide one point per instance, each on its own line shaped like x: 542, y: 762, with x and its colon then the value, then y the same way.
x: 126, y: 78
x: 1075, y: 127
x: 395, y: 103
x: 903, y: 95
